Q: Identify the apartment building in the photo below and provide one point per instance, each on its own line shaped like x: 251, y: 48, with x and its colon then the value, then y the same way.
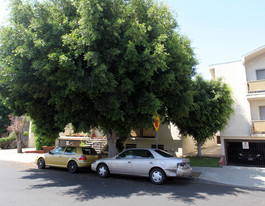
x: 243, y: 140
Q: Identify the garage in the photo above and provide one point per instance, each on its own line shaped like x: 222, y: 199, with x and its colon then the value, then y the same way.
x: 245, y: 153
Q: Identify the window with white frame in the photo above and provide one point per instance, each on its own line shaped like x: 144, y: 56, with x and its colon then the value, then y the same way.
x: 260, y: 74
x: 262, y: 112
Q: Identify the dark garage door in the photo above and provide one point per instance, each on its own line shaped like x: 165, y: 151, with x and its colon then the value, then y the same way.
x: 254, y: 156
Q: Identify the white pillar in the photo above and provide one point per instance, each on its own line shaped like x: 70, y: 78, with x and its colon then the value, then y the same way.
x: 31, y: 143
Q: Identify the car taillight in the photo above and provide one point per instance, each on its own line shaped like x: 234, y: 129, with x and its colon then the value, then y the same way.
x: 83, y: 157
x: 184, y: 164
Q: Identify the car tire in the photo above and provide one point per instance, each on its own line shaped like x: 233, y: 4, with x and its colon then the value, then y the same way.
x: 103, y: 170
x: 72, y: 167
x: 41, y: 163
x: 157, y: 176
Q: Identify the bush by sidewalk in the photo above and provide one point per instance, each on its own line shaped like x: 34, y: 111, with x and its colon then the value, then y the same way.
x: 7, y: 141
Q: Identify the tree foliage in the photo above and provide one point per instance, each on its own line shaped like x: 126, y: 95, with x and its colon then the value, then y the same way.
x: 5, y: 142
x: 105, y: 63
x: 4, y: 120
x: 210, y: 111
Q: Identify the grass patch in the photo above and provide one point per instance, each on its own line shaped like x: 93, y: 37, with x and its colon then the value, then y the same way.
x: 204, y: 161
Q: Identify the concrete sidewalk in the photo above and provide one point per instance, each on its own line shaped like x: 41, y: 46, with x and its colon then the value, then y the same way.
x: 12, y: 155
x: 231, y: 175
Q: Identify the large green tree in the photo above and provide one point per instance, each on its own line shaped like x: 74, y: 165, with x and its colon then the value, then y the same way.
x: 106, y: 63
x: 4, y: 119
x: 210, y: 111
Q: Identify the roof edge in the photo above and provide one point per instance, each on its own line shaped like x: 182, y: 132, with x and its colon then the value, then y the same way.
x: 212, y: 65
x: 254, y: 53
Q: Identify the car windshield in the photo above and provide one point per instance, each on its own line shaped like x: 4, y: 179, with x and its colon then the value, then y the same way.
x: 57, y: 150
x: 163, y: 153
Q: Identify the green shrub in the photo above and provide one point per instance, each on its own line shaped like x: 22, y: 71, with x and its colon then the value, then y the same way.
x: 40, y: 140
x: 5, y: 142
x: 43, y: 141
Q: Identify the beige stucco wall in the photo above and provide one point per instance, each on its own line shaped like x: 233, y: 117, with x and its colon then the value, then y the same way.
x: 189, y: 145
x: 31, y: 142
x: 251, y: 66
x: 234, y: 74
x: 211, y: 142
x: 254, y: 64
x: 237, y: 74
x: 254, y: 107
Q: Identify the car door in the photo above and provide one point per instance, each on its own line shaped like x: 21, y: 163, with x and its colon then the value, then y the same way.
x: 123, y: 163
x: 69, y: 153
x: 54, y: 156
x: 143, y: 162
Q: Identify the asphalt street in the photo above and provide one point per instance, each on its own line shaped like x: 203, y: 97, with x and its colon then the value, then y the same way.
x: 23, y: 184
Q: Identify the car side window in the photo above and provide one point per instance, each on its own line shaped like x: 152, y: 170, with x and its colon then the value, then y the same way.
x: 89, y: 151
x: 58, y: 150
x: 70, y: 151
x: 127, y: 154
x: 143, y: 154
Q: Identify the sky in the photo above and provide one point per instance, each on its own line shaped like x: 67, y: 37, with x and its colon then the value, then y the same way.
x: 220, y: 30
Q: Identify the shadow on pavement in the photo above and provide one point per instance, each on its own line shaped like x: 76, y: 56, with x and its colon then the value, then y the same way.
x: 86, y: 185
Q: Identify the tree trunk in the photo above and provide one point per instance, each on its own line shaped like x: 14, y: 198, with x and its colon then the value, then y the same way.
x: 19, y: 143
x: 199, y: 147
x: 112, y: 139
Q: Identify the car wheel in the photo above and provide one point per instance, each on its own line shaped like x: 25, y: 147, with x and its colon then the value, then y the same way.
x: 41, y: 163
x: 72, y: 167
x: 103, y: 170
x: 157, y: 176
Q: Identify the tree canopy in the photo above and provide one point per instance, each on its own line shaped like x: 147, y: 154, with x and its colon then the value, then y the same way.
x: 4, y: 119
x: 210, y: 112
x: 105, y: 63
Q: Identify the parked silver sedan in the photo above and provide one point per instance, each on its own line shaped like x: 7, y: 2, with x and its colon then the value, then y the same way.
x: 153, y: 163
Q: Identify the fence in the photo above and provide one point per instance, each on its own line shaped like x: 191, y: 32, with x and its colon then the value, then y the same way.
x: 252, y: 155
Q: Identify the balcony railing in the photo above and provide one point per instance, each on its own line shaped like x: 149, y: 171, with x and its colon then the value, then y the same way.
x: 256, y: 86
x: 258, y: 127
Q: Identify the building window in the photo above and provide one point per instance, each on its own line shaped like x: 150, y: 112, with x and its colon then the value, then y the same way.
x: 218, y: 139
x: 260, y: 74
x: 262, y: 112
x: 143, y: 133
